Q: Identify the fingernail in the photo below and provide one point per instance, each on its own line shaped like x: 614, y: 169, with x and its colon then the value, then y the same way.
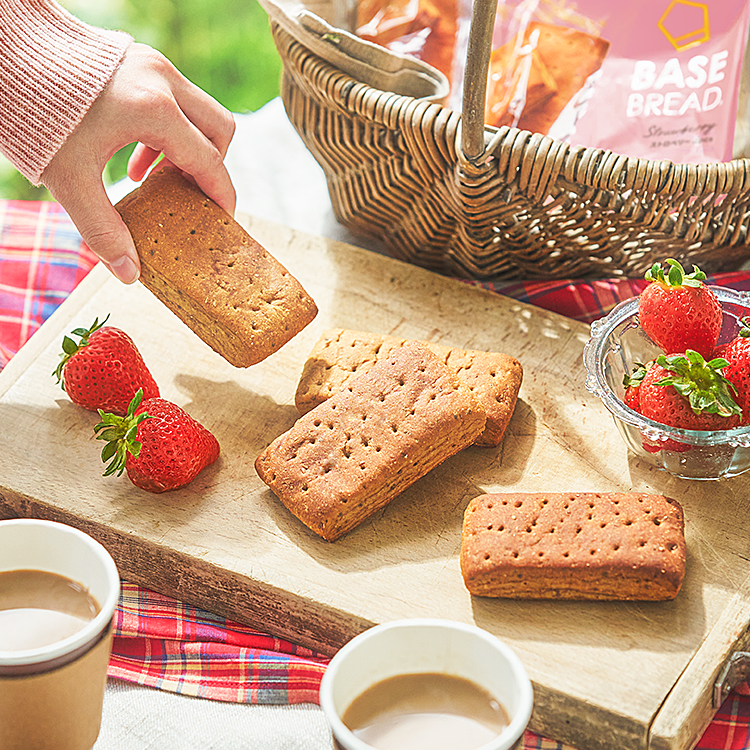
x: 124, y: 269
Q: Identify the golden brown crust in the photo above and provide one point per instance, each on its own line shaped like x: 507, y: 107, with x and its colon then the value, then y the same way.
x: 354, y: 453
x: 494, y: 378
x: 577, y: 545
x: 198, y: 261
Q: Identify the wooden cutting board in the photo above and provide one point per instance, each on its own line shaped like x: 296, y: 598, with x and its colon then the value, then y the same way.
x: 606, y: 675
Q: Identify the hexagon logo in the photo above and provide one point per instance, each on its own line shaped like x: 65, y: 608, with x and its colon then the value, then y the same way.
x: 685, y: 24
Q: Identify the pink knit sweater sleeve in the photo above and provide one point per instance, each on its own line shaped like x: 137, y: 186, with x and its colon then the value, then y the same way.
x: 52, y: 68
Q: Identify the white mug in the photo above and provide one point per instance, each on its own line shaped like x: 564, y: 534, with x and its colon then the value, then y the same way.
x: 427, y: 646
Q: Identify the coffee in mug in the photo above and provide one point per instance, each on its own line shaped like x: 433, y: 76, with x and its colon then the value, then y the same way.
x: 426, y: 710
x: 426, y: 684
x: 38, y: 609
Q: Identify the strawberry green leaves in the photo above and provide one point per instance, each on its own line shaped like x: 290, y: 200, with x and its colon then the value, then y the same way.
x: 635, y: 378
x: 744, y: 331
x: 701, y: 383
x: 676, y: 276
x: 121, y: 435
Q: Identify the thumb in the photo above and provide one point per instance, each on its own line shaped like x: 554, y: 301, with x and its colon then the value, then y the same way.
x: 102, y: 229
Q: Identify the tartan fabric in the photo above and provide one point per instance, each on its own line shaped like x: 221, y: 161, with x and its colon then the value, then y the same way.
x: 730, y: 728
x: 586, y: 301
x: 169, y: 645
x: 42, y: 259
x: 163, y: 643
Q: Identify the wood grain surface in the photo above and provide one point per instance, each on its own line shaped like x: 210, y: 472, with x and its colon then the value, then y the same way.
x: 606, y: 675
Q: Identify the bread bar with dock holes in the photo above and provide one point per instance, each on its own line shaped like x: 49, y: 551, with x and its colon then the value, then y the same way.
x: 357, y: 451
x: 203, y: 265
x: 339, y: 354
x: 576, y: 545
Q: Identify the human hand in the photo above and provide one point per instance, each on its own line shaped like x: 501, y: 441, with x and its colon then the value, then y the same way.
x: 148, y: 101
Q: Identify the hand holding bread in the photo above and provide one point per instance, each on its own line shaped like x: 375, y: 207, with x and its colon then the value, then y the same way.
x: 147, y: 100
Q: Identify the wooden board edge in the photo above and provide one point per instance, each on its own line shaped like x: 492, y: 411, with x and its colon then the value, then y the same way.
x: 268, y: 609
x: 688, y: 709
x: 557, y: 717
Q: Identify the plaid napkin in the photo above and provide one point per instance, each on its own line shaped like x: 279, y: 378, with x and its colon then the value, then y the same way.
x: 42, y: 259
x: 587, y: 301
x: 167, y: 644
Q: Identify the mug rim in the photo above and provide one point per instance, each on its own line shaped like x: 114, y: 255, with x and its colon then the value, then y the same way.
x: 518, y: 722
x: 90, y: 633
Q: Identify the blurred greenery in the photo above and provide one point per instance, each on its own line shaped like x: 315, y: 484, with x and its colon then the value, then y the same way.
x: 223, y: 46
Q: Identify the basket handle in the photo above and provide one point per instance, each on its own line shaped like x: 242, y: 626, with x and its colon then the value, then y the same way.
x: 478, y: 56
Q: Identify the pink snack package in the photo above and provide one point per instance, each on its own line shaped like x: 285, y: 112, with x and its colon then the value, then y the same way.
x: 658, y: 79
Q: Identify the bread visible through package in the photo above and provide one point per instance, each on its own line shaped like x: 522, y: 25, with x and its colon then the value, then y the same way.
x: 562, y: 60
x: 339, y: 354
x: 358, y: 450
x: 203, y: 265
x: 602, y: 546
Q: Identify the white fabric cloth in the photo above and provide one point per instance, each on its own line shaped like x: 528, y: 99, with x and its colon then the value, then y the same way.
x: 140, y: 718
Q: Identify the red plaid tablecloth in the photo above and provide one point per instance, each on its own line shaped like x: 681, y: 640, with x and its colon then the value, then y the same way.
x: 166, y: 644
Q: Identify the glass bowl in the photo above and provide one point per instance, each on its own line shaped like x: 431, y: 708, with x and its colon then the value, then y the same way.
x: 617, y: 342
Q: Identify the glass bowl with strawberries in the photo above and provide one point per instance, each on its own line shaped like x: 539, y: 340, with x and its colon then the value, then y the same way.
x: 672, y: 366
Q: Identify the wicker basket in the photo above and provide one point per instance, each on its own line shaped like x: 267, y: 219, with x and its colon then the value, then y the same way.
x: 443, y: 191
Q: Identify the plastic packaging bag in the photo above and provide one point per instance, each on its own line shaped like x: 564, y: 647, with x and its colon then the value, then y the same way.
x: 657, y: 79
x: 425, y: 29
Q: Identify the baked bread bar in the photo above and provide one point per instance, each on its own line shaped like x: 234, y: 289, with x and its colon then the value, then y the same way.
x: 355, y: 452
x: 206, y: 268
x: 494, y: 378
x: 577, y: 545
x: 561, y: 63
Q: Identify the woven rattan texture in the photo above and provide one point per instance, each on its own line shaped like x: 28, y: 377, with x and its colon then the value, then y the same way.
x: 532, y: 207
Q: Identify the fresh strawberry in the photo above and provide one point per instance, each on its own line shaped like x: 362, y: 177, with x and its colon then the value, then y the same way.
x: 737, y: 372
x: 159, y: 444
x: 679, y: 312
x: 685, y: 391
x: 103, y: 370
x: 632, y: 383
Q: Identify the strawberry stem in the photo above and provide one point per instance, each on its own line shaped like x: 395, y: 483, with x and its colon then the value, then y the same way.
x: 676, y: 275
x: 70, y: 347
x: 120, y: 434
x: 635, y: 378
x: 744, y: 331
x: 700, y: 382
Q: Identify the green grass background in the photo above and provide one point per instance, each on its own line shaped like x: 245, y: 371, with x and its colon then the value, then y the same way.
x: 223, y: 46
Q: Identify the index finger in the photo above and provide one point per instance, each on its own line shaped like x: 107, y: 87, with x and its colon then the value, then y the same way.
x: 192, y: 152
x: 211, y: 118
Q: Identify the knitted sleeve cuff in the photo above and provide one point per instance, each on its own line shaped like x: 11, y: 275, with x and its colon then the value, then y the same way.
x: 52, y: 68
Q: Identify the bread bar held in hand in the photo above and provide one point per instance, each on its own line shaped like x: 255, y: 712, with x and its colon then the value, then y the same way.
x: 353, y: 454
x: 198, y: 261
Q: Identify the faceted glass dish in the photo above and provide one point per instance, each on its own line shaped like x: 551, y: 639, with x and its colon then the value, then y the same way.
x: 617, y: 342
